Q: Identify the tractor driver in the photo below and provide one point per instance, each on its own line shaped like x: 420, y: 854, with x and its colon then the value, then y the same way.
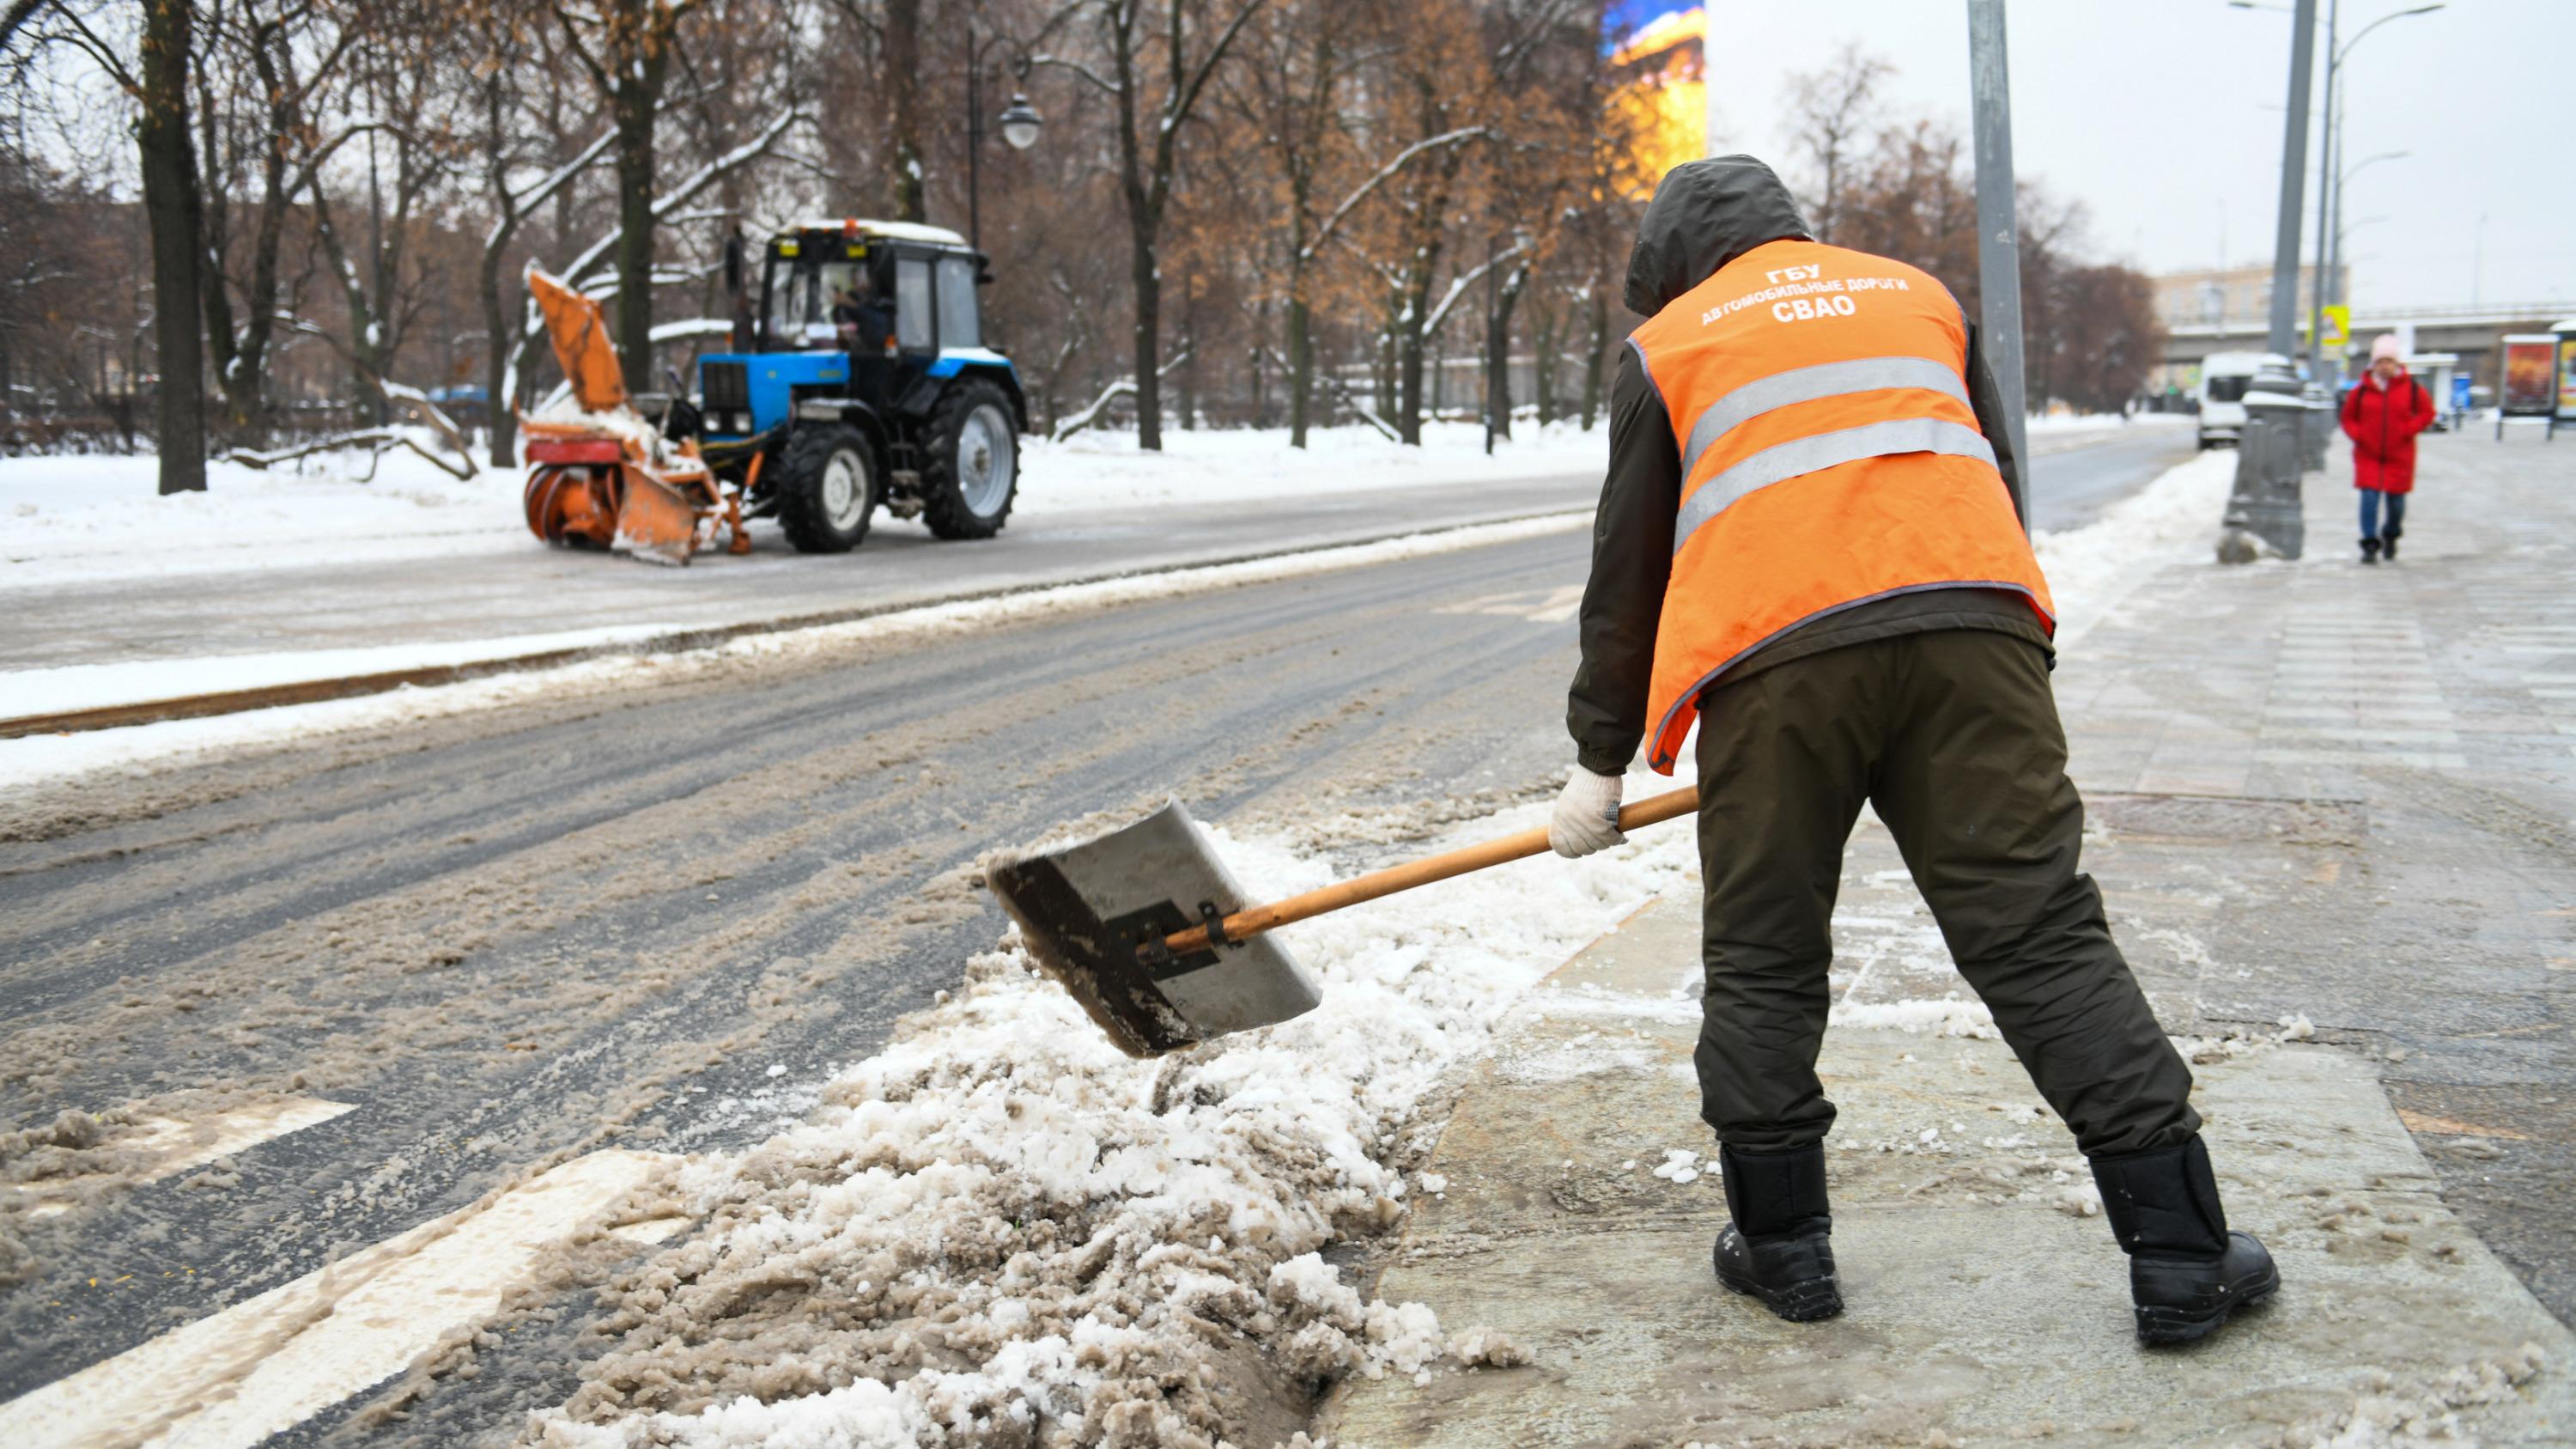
x: 856, y: 317
x: 866, y: 329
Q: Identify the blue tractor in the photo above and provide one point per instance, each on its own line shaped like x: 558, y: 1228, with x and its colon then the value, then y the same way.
x: 859, y: 377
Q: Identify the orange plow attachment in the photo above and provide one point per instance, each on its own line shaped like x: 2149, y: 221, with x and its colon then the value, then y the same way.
x: 608, y: 481
x: 656, y: 521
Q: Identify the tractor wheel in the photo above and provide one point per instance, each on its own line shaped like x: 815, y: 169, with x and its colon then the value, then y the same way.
x: 972, y: 468
x: 827, y: 488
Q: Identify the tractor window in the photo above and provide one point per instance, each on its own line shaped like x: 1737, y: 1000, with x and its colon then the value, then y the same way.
x: 801, y: 294
x: 912, y: 304
x: 958, y: 324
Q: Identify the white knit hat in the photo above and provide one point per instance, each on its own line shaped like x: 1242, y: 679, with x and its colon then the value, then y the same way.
x: 2385, y: 345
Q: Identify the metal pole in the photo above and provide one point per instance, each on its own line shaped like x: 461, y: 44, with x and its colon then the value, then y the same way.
x: 2294, y: 176
x: 1998, y: 226
x: 2329, y: 207
x: 974, y: 142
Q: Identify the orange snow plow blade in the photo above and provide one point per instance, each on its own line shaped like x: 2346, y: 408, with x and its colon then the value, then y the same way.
x: 654, y: 521
x: 580, y: 333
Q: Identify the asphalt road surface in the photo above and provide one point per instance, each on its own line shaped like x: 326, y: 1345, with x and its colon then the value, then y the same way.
x: 514, y: 937
x: 522, y: 588
x: 2075, y: 476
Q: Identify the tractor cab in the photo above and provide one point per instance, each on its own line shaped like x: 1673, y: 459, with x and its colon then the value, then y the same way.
x: 859, y: 377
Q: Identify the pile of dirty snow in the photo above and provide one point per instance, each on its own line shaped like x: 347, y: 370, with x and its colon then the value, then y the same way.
x: 1000, y: 1230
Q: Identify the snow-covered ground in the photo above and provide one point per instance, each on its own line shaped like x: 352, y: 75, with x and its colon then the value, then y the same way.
x: 97, y: 518
x: 1000, y: 1229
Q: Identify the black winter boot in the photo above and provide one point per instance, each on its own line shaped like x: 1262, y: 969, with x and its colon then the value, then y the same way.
x: 1780, y: 1246
x: 2370, y: 550
x: 2187, y: 1272
x: 2388, y: 543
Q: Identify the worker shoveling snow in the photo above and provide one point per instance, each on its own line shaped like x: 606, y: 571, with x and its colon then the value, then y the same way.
x: 1003, y: 1230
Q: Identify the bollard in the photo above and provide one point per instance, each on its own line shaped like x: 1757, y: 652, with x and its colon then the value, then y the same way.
x: 2265, y: 506
x: 2317, y: 429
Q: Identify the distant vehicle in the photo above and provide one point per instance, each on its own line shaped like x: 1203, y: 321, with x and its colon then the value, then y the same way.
x: 2224, y: 377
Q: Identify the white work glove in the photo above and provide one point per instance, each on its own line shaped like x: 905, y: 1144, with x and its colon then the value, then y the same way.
x: 1587, y: 814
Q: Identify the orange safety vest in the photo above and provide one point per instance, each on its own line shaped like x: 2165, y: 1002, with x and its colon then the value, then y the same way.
x: 1829, y: 458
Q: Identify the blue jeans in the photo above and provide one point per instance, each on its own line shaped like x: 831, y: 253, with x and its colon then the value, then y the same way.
x: 2370, y: 511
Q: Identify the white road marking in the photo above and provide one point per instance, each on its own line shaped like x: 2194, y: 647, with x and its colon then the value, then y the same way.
x: 180, y: 1147
x: 1553, y: 607
x: 263, y: 1366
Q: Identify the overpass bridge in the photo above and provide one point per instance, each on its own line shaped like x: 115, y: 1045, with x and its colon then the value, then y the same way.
x: 2470, y: 331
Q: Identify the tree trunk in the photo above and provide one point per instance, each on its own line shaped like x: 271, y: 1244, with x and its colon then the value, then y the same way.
x: 1301, y: 366
x: 1543, y: 363
x: 1593, y: 356
x: 1260, y: 371
x: 636, y: 92
x: 1408, y: 380
x: 1189, y: 355
x: 902, y: 80
x: 1498, y: 360
x: 171, y: 204
x: 500, y: 338
x: 1148, y: 279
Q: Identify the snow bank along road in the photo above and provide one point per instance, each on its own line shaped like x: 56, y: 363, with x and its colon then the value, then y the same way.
x: 315, y: 1000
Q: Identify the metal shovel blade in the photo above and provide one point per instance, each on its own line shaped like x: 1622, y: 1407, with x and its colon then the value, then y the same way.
x: 1088, y: 912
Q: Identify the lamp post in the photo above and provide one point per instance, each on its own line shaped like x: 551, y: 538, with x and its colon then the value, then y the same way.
x: 1999, y: 227
x: 2334, y: 259
x: 2329, y: 187
x: 1019, y: 121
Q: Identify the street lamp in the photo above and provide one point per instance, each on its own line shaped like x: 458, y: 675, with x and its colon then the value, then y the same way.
x: 2333, y: 278
x: 1019, y: 123
x: 2329, y: 186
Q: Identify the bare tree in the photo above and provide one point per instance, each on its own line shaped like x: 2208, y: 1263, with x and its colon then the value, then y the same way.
x: 626, y: 48
x: 1831, y: 111
x: 1148, y: 164
x: 157, y: 79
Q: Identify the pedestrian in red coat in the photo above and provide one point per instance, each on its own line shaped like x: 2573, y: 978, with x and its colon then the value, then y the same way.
x: 2382, y: 414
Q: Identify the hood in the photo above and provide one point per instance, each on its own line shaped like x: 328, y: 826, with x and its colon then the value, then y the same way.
x: 1704, y: 215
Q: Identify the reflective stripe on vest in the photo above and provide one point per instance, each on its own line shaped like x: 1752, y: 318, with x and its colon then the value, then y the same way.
x: 1806, y: 384
x: 1819, y: 451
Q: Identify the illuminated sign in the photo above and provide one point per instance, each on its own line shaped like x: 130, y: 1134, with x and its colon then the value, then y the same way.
x: 1659, y: 89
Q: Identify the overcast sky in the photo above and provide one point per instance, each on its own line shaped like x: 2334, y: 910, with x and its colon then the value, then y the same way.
x: 2164, y: 118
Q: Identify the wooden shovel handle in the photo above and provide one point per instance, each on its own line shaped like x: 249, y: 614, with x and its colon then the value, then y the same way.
x: 1253, y: 920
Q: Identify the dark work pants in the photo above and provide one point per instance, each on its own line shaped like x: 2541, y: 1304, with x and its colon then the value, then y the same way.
x: 1953, y: 736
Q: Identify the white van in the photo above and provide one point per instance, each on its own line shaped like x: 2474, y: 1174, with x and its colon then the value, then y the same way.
x: 2223, y: 379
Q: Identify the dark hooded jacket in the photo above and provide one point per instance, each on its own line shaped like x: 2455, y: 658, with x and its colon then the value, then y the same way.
x: 1706, y: 214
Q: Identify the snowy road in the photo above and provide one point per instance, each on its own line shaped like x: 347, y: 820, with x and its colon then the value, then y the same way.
x: 513, y: 937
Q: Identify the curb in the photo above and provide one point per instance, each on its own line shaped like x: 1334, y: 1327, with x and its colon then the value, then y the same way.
x: 315, y: 691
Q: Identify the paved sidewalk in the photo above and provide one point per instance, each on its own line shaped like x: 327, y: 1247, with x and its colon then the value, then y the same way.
x: 2334, y: 811
x: 1986, y: 1299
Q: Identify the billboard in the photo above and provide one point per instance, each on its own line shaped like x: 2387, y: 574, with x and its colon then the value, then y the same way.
x: 1658, y: 105
x: 2566, y: 376
x: 2530, y: 374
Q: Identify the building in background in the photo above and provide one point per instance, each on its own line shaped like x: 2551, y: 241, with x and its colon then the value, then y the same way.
x: 2224, y: 297
x: 1658, y: 52
x: 2214, y: 303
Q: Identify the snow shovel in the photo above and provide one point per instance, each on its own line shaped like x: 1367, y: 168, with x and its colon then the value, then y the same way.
x: 1150, y: 933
